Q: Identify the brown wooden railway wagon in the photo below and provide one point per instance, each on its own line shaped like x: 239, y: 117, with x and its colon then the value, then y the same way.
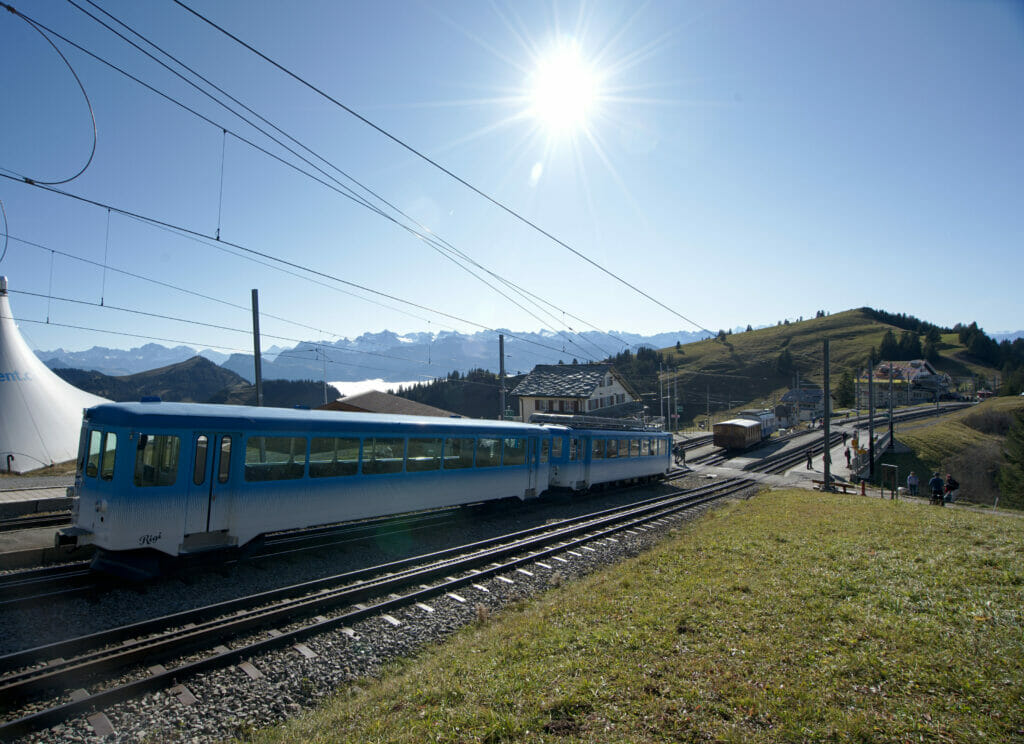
x: 737, y: 434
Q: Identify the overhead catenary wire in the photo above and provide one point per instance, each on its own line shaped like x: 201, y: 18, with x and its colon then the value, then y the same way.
x: 435, y: 164
x: 424, y: 234
x: 88, y: 103
x: 180, y: 289
x: 262, y: 254
x: 427, y: 238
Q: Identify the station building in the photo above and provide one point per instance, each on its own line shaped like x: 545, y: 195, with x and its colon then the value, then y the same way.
x: 914, y: 381
x: 581, y: 389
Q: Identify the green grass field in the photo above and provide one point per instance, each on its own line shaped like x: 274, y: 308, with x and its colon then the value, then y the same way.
x: 794, y: 616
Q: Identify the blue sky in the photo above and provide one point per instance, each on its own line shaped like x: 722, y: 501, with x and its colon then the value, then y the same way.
x: 739, y: 162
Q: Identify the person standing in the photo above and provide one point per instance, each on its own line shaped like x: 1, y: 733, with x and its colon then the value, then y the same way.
x: 810, y: 461
x: 936, y: 485
x: 847, y: 453
x: 912, y: 483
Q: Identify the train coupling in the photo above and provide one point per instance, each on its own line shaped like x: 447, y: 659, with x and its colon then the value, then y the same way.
x: 72, y: 537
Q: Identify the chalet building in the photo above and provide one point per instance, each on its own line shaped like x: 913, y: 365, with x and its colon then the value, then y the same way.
x: 581, y: 389
x: 916, y: 381
x: 805, y: 404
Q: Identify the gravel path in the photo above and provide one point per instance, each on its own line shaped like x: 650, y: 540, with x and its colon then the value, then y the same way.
x: 229, y: 702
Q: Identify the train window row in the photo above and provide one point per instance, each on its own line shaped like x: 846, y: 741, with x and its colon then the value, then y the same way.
x: 286, y: 458
x: 604, y: 449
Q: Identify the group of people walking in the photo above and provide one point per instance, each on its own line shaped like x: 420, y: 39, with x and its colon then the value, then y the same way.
x: 942, y: 491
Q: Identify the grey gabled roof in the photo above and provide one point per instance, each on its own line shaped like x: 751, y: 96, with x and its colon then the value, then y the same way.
x: 564, y: 380
x: 804, y: 396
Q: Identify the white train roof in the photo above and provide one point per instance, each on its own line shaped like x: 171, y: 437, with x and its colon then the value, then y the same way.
x: 225, y: 418
x: 40, y: 414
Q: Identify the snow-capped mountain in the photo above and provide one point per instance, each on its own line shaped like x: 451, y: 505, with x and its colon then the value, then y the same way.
x: 385, y: 354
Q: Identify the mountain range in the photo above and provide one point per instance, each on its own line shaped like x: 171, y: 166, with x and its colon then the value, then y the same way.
x: 386, y: 355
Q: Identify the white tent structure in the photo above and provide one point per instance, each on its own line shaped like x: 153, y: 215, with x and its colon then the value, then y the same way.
x: 40, y: 414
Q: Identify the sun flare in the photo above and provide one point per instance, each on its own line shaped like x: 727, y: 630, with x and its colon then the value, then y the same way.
x: 564, y: 90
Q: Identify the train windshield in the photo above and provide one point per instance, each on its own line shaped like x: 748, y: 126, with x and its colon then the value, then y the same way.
x: 156, y: 460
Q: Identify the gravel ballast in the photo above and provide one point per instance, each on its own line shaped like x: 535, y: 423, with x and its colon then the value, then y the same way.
x: 230, y: 702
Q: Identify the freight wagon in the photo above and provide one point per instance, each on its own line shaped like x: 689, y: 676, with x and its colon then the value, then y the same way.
x: 737, y: 434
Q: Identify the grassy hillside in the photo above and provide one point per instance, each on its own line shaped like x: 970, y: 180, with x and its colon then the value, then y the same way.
x: 968, y: 444
x: 794, y: 616
x: 743, y: 369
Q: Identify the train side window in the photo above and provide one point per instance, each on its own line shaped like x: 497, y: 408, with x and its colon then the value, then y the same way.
x: 634, y: 448
x: 274, y: 458
x: 423, y: 454
x: 224, y: 468
x: 92, y: 464
x: 332, y: 456
x: 109, y: 455
x: 545, y: 449
x: 383, y: 455
x: 156, y: 460
x: 199, y: 470
x: 556, y: 447
x: 488, y: 452
x: 574, y: 448
x: 598, y: 449
x: 515, y: 451
x: 611, y: 448
x: 458, y: 453
x: 623, y: 448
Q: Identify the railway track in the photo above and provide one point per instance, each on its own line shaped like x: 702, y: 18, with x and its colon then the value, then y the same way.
x: 53, y: 583
x: 32, y: 521
x: 288, y: 615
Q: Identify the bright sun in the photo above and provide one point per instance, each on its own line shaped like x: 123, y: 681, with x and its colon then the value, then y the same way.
x: 564, y: 90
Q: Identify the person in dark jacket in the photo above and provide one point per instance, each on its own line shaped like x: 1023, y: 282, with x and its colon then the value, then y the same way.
x: 936, y: 485
x: 951, y: 487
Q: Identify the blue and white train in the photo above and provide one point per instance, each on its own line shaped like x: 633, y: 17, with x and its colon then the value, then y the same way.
x: 180, y: 478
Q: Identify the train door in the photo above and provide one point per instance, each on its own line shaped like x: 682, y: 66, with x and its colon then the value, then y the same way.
x: 587, y: 453
x: 532, y: 465
x: 210, y: 488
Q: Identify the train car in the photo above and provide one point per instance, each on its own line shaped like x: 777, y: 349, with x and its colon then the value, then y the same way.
x: 184, y: 478
x: 174, y: 479
x: 737, y: 434
x: 584, y: 457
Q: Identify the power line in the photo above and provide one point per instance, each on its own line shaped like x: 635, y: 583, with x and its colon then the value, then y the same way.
x: 427, y: 236
x: 437, y: 165
x: 261, y: 254
x: 192, y: 293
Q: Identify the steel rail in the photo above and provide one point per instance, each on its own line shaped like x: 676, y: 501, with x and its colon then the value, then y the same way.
x: 608, y: 526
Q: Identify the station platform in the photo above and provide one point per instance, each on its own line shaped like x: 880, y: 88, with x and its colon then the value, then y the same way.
x: 18, y: 502
x: 34, y: 547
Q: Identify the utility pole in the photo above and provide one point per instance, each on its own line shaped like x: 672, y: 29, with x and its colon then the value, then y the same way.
x: 501, y: 376
x: 891, y: 433
x: 256, y: 346
x: 827, y: 421
x: 675, y: 404
x: 323, y: 359
x: 707, y: 411
x: 661, y: 396
x: 871, y: 419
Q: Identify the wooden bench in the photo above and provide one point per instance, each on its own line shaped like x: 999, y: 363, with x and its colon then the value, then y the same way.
x: 839, y: 485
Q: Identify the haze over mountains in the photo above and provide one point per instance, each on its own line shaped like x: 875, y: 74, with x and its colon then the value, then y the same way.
x: 386, y: 355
